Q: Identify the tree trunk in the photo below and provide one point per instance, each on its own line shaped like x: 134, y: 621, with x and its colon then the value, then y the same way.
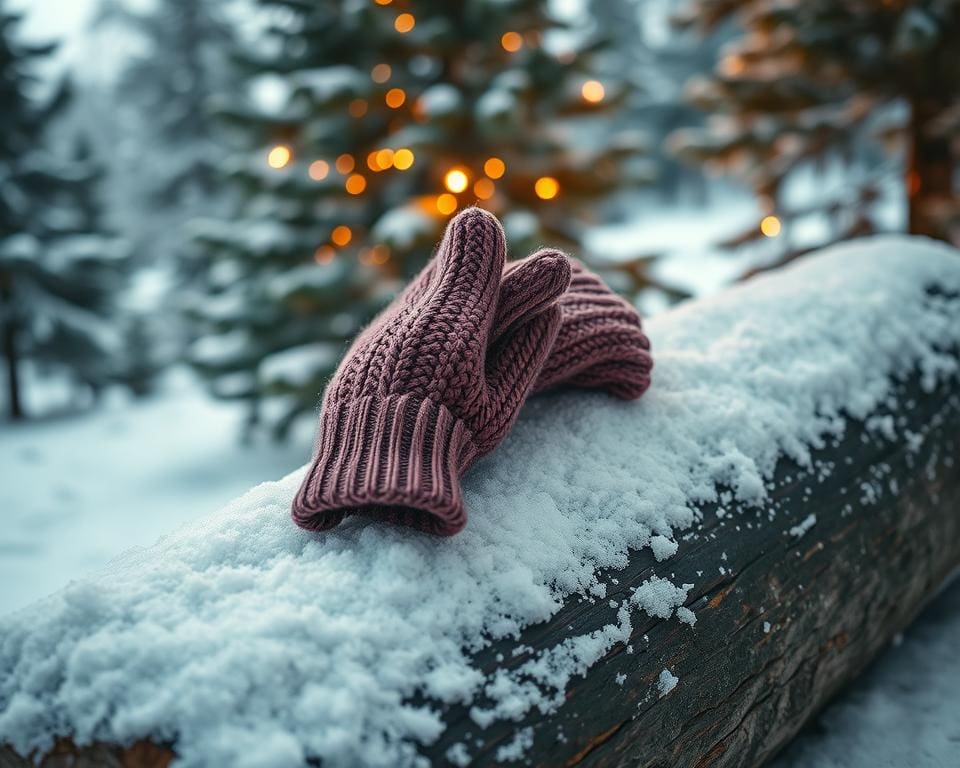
x: 930, y: 167
x: 8, y: 339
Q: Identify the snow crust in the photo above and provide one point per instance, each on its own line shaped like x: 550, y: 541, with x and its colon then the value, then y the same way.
x: 252, y: 643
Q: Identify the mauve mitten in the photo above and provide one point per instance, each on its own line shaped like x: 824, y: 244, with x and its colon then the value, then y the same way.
x: 423, y: 392
x: 601, y: 343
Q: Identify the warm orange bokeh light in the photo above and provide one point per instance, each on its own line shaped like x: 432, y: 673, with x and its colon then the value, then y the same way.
x: 381, y: 73
x: 355, y: 184
x: 770, y: 226
x: 341, y: 235
x: 357, y: 108
x: 378, y: 254
x: 592, y: 91
x: 494, y: 167
x: 279, y: 156
x: 383, y: 2
x: 372, y: 163
x: 546, y: 187
x: 456, y: 180
x: 484, y: 189
x: 345, y: 164
x: 318, y: 170
x: 324, y: 254
x: 404, y: 23
x: 511, y: 42
x: 402, y: 159
x: 385, y: 158
x: 395, y: 98
x: 446, y: 203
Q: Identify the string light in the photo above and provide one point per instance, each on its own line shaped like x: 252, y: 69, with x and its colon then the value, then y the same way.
x: 341, y: 235
x: 372, y: 163
x: 279, y: 156
x: 377, y: 255
x: 770, y: 226
x: 345, y: 163
x: 355, y: 184
x: 395, y: 98
x: 446, y: 203
x: 402, y: 159
x: 511, y: 42
x: 404, y: 23
x: 318, y: 170
x: 546, y: 187
x: 324, y: 254
x: 381, y: 73
x: 456, y: 180
x: 494, y: 167
x: 592, y: 91
x: 357, y: 108
x: 385, y: 158
x: 484, y: 189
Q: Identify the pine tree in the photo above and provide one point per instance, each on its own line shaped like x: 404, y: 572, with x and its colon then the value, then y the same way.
x: 392, y: 116
x: 58, y: 269
x: 835, y: 80
x: 165, y: 95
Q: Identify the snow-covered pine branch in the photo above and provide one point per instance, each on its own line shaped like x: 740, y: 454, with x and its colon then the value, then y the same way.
x: 690, y: 574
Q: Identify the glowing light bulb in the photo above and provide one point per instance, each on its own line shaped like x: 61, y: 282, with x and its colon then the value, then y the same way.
x: 385, y: 158
x: 357, y: 108
x: 494, y: 167
x: 404, y: 23
x: 546, y: 187
x: 402, y: 159
x: 395, y: 98
x: 456, y: 180
x: 484, y: 189
x: 324, y: 254
x: 379, y: 254
x: 446, y: 203
x: 345, y: 163
x: 511, y: 42
x: 341, y: 235
x: 279, y: 156
x: 318, y: 170
x: 355, y: 184
x: 593, y: 91
x: 770, y: 226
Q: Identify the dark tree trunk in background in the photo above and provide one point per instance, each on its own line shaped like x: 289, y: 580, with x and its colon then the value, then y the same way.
x: 929, y: 171
x: 8, y: 338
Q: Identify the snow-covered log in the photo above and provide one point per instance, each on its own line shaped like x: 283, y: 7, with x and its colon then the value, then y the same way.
x: 681, y: 581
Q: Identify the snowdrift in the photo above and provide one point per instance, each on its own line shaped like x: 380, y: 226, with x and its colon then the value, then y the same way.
x: 599, y: 587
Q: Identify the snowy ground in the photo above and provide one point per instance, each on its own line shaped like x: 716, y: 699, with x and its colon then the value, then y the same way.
x: 76, y: 491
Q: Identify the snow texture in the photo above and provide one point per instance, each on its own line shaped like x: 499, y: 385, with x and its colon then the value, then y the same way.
x: 666, y: 682
x: 801, y: 528
x: 252, y: 643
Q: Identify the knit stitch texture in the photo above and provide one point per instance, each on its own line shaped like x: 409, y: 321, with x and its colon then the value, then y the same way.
x: 427, y: 388
x: 601, y: 343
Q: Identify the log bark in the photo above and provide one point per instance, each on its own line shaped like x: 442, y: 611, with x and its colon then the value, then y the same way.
x: 784, y: 619
x: 785, y: 625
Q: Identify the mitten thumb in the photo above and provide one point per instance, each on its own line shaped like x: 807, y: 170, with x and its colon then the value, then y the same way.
x: 528, y: 287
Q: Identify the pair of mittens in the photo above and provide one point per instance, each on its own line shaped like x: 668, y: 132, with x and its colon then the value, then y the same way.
x: 439, y: 377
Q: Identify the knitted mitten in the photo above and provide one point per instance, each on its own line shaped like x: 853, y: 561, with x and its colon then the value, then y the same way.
x: 600, y: 345
x: 422, y: 392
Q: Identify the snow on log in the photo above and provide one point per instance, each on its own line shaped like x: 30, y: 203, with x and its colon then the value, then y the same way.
x: 682, y: 580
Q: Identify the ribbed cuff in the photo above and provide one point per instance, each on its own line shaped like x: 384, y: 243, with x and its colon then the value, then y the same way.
x: 397, y: 458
